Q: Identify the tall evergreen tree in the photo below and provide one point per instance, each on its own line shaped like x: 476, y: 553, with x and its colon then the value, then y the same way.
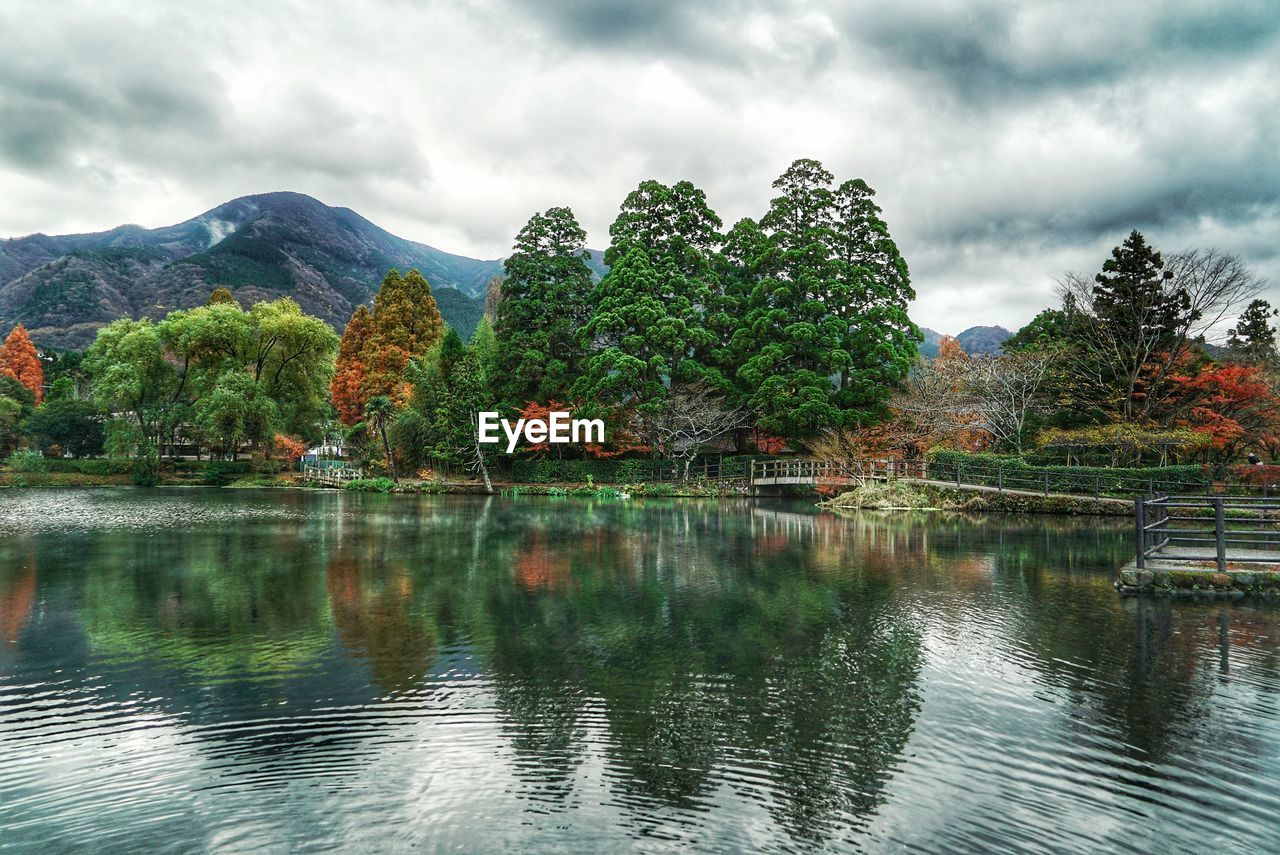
x: 649, y: 322
x: 789, y: 343
x: 871, y: 290
x: 1253, y: 337
x: 542, y: 304
x: 1140, y: 317
x: 821, y: 295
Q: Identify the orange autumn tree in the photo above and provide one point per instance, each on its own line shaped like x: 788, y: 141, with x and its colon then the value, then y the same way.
x: 347, y: 385
x: 287, y: 448
x: 376, y: 346
x: 19, y: 360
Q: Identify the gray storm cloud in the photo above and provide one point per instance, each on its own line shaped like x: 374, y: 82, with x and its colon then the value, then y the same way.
x: 1008, y: 141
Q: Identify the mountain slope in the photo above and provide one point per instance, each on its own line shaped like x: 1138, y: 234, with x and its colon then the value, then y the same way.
x: 261, y: 247
x: 975, y: 341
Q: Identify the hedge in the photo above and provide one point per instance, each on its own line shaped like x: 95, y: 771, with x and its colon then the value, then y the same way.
x: 1014, y: 472
x: 629, y: 471
x: 89, y: 465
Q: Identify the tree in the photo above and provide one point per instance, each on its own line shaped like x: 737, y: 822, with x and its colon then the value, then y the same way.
x: 870, y: 293
x: 16, y: 405
x: 1049, y: 327
x: 378, y: 414
x: 220, y: 295
x: 1253, y: 338
x: 347, y: 387
x: 1133, y: 323
x: 132, y: 379
x: 643, y: 335
x: 72, y: 425
x: 689, y: 418
x: 289, y: 449
x: 821, y: 291
x: 1231, y: 404
x: 1003, y: 394
x: 541, y: 306
x: 405, y: 314
x: 19, y: 360
x: 649, y: 314
x: 451, y: 388
x: 237, y: 411
x: 292, y: 357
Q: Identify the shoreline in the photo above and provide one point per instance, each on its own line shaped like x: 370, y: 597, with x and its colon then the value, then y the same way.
x: 925, y: 498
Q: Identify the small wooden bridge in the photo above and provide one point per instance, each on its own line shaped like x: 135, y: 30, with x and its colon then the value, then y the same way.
x: 773, y: 473
x: 331, y: 476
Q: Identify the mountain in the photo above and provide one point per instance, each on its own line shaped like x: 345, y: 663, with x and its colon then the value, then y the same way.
x: 976, y: 341
x: 63, y: 288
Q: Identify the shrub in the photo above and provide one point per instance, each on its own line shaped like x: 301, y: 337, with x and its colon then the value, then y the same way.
x: 370, y: 485
x: 98, y: 466
x: 26, y: 460
x: 219, y: 473
x: 1014, y: 472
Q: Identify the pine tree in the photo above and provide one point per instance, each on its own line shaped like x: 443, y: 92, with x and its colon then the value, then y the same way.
x: 1141, y: 315
x: 870, y: 293
x: 19, y: 360
x: 789, y: 343
x: 1253, y: 337
x: 541, y: 306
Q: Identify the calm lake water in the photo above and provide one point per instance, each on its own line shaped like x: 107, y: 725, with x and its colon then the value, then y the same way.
x: 235, y: 670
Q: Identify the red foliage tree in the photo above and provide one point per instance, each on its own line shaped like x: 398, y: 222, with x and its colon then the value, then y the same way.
x: 19, y: 360
x: 1232, y: 404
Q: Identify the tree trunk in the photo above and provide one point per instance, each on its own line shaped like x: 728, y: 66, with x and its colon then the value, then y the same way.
x: 484, y: 470
x: 386, y: 447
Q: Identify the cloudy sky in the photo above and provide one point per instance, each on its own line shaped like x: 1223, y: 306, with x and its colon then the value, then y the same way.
x: 1008, y: 141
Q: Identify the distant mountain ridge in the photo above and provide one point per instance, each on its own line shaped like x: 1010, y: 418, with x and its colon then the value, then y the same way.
x: 976, y: 341
x: 63, y: 288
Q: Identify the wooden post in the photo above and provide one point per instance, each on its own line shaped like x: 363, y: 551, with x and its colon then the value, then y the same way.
x: 1220, y: 532
x: 1046, y: 482
x: 1140, y: 514
x: 999, y: 479
x: 1097, y: 486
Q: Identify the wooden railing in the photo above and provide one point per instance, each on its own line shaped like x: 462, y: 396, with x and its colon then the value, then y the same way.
x: 1221, y: 529
x: 331, y: 476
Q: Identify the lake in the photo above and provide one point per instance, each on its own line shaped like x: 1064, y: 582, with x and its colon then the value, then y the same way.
x: 231, y: 670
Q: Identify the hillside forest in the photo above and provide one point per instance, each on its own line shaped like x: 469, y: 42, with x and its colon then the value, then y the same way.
x: 783, y: 333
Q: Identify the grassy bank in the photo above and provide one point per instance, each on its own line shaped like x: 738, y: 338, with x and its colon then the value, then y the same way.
x: 903, y: 495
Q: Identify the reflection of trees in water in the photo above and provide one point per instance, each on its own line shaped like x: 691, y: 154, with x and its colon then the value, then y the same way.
x: 372, y: 599
x: 245, y: 603
x: 717, y: 655
x: 692, y: 646
x: 17, y: 590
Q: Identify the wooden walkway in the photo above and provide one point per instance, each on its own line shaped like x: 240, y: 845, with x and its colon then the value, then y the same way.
x: 331, y: 476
